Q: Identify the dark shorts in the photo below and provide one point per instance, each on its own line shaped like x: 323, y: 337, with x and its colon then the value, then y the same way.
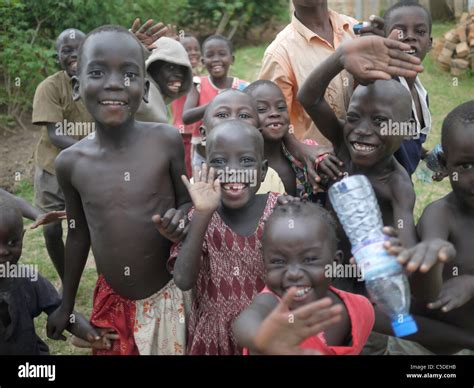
x: 48, y: 194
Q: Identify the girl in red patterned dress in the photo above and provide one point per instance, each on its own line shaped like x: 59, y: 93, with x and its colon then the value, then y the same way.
x: 221, y: 259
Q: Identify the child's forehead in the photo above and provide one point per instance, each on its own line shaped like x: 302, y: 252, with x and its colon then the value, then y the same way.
x: 107, y: 45
x: 219, y: 44
x: 265, y: 91
x: 232, y: 98
x: 409, y: 14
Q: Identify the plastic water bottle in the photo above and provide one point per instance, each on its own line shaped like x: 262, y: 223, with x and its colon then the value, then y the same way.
x: 354, y: 201
x: 431, y: 164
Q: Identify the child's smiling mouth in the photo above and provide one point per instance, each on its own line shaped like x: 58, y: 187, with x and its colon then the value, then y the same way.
x: 363, y: 147
x: 174, y: 86
x: 234, y: 190
x: 113, y: 102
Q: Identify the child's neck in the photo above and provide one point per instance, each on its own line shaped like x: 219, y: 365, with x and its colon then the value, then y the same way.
x: 115, y: 137
x: 376, y: 169
x: 273, y: 151
x: 315, y: 18
x: 222, y: 83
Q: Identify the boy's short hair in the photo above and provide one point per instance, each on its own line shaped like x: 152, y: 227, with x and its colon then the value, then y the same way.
x: 458, y: 119
x: 256, y: 84
x: 208, y: 110
x: 9, y: 207
x: 221, y: 38
x: 407, y: 3
x: 109, y: 28
x: 305, y: 209
x: 61, y: 36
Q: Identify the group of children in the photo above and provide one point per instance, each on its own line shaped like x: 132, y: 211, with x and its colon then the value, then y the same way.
x: 233, y: 260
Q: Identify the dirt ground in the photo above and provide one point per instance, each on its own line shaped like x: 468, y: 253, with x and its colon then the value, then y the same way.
x: 17, y: 155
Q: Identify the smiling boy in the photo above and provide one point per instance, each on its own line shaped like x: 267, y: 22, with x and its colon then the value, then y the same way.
x: 114, y: 183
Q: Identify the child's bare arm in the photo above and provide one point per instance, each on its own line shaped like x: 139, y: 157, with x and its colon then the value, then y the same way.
x: 27, y: 210
x: 439, y: 337
x: 61, y: 141
x: 206, y: 195
x: 81, y: 328
x: 77, y: 246
x: 191, y: 112
x: 172, y: 224
x: 270, y: 327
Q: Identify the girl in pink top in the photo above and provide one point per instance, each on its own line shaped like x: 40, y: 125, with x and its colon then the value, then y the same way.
x: 217, y: 58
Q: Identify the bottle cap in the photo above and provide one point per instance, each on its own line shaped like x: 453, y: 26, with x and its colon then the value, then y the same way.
x: 406, y: 327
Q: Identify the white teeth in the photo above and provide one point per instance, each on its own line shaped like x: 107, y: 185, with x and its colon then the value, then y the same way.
x: 303, y: 291
x: 410, y: 51
x: 112, y: 102
x: 233, y: 186
x: 363, y: 147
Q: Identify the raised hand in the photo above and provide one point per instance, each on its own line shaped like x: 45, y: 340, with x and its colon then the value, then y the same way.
x: 283, y: 330
x: 205, y: 192
x: 49, y: 217
x: 148, y: 34
x: 456, y: 292
x: 370, y: 58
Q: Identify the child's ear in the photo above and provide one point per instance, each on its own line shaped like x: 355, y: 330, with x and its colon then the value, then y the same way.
x: 431, y: 44
x: 233, y: 59
x: 146, y: 90
x: 338, y: 257
x: 202, y: 130
x: 76, y: 94
x: 264, y: 169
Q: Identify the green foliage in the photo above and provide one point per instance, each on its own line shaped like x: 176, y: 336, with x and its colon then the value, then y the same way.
x: 29, y: 28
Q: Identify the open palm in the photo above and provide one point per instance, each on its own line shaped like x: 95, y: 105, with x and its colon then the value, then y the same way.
x: 372, y: 57
x: 205, y: 192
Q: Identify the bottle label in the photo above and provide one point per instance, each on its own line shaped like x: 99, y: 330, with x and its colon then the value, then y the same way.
x: 374, y: 260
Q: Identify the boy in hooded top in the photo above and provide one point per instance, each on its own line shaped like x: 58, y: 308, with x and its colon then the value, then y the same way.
x: 171, y: 76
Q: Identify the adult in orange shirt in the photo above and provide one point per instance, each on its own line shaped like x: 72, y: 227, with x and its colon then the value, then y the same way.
x: 314, y: 33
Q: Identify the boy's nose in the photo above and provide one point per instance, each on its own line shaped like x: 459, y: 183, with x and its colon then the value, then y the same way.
x: 4, y: 251
x: 115, y: 82
x: 274, y: 114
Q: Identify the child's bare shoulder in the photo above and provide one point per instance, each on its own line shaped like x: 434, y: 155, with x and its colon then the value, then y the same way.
x: 165, y: 134
x: 70, y: 155
x: 439, y: 207
x: 400, y: 183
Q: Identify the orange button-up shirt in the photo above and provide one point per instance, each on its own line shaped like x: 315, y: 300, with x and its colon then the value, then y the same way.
x: 293, y: 55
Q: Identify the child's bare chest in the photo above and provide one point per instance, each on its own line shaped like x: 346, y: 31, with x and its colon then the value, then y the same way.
x: 461, y: 235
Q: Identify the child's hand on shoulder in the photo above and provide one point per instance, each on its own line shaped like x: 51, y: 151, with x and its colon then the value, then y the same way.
x: 205, y: 192
x: 107, y: 335
x: 173, y: 225
x: 283, y: 330
x: 456, y: 292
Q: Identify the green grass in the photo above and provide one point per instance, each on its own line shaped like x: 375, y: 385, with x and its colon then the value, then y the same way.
x: 444, y: 96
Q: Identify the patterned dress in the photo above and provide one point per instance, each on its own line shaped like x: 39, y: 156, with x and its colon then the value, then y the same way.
x: 231, y: 275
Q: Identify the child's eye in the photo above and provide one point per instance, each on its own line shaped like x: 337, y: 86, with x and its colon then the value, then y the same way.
x: 217, y: 161
x: 282, y: 108
x: 11, y: 243
x: 261, y: 109
x: 244, y: 116
x: 352, y: 118
x: 308, y: 260
x: 222, y: 115
x: 130, y: 75
x: 95, y: 73
x: 467, y: 166
x: 247, y: 160
x: 421, y: 32
x: 277, y: 261
x: 379, y: 120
